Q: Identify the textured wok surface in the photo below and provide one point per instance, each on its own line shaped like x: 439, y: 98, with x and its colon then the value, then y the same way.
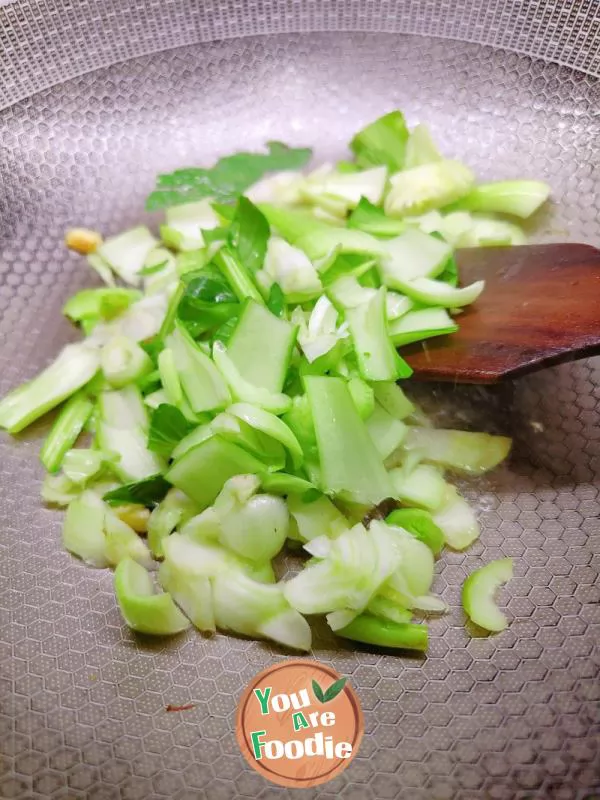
x: 81, y: 701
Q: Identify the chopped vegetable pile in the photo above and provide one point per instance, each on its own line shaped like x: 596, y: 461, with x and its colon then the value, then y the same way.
x: 237, y: 393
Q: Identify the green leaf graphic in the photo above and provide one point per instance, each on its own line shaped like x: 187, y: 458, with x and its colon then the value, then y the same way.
x: 331, y: 693
x: 318, y: 692
x: 334, y: 689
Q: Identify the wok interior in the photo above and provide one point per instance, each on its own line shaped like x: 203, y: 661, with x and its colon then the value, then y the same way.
x: 478, y: 715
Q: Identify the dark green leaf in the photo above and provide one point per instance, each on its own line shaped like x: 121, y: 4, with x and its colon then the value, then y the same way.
x: 147, y: 492
x: 168, y: 426
x: 208, y: 286
x: 207, y: 302
x: 318, y: 692
x: 212, y: 235
x: 276, y: 300
x: 153, y: 269
x: 149, y: 383
x: 370, y: 219
x: 249, y: 234
x: 229, y: 177
x: 335, y: 688
x: 383, y: 142
x: 225, y: 210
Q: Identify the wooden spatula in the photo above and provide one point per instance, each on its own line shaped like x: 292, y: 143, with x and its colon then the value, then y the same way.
x: 540, y: 306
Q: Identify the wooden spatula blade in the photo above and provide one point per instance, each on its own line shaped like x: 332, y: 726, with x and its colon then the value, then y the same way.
x: 540, y: 306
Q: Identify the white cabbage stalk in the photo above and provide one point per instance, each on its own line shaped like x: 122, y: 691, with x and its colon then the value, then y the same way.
x: 429, y: 186
x: 339, y: 619
x: 338, y: 192
x: 156, y: 399
x: 429, y: 222
x: 122, y: 430
x: 430, y: 604
x: 79, y: 465
x: 59, y: 489
x: 126, y: 253
x: 270, y: 425
x: 319, y: 334
x: 291, y: 269
x: 202, y: 382
x: 236, y: 601
x: 386, y: 431
x: 281, y: 188
x: 411, y: 255
x: 123, y: 361
x: 355, y: 567
x: 457, y: 520
x: 478, y: 594
x: 288, y: 628
x: 142, y: 608
x: 348, y: 293
x: 250, y: 608
x: 423, y: 486
x: 242, y: 390
x: 121, y: 541
x: 380, y: 606
x: 203, y: 527
x: 223, y: 423
x: 83, y: 530
x: 316, y: 519
x: 94, y: 533
x: 101, y: 268
x: 396, y: 306
x: 161, y: 280
x: 189, y: 220
x: 409, y: 585
x: 123, y: 408
x: 205, y: 559
x: 254, y: 526
x: 319, y: 546
x: 175, y: 509
x: 466, y: 451
x: 487, y: 232
x: 191, y: 592
x: 141, y: 321
x: 416, y: 560
x: 75, y: 365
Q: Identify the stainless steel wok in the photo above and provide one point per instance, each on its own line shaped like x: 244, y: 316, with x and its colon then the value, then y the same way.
x: 96, y: 98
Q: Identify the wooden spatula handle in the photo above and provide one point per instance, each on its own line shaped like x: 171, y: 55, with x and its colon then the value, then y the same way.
x: 541, y: 306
